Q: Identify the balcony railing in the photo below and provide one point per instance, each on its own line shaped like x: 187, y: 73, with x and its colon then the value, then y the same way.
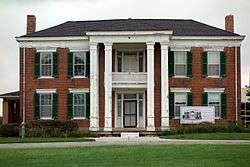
x: 129, y: 78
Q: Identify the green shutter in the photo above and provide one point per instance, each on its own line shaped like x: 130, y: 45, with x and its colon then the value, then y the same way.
x: 87, y: 64
x: 223, y: 105
x: 70, y: 64
x: 204, y: 99
x: 222, y: 64
x: 36, y: 106
x: 171, y: 105
x: 171, y: 63
x: 204, y: 64
x: 70, y: 105
x: 87, y: 105
x: 189, y: 64
x: 55, y: 106
x: 55, y: 64
x: 190, y: 99
x: 37, y: 65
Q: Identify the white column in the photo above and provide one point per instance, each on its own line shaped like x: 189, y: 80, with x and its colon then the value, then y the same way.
x: 150, y: 87
x: 164, y: 87
x: 94, y: 92
x: 108, y: 86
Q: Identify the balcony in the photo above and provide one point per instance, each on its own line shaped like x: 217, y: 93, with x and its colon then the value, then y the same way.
x: 129, y: 79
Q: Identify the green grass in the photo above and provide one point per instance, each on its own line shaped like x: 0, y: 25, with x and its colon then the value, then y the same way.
x: 4, y: 140
x: 144, y: 155
x: 211, y: 136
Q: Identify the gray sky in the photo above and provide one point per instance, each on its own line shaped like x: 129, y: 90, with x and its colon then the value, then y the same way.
x: 49, y: 13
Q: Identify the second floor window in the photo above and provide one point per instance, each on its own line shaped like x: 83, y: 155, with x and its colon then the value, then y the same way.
x: 213, y: 59
x: 46, y: 64
x: 180, y: 66
x: 79, y: 63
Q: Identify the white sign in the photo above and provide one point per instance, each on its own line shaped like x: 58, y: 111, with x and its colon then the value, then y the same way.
x: 197, y: 114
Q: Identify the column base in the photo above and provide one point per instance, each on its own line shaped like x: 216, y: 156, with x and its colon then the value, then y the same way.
x: 165, y: 128
x: 165, y: 123
x: 94, y: 129
x: 150, y: 128
x: 109, y: 129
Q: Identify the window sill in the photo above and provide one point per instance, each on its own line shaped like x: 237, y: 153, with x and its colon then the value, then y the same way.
x: 180, y: 76
x: 214, y: 77
x: 78, y: 77
x: 79, y: 118
x: 46, y: 118
x: 176, y: 118
x: 49, y: 77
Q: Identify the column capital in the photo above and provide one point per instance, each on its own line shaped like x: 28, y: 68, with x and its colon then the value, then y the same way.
x: 108, y: 43
x: 149, y: 43
x: 93, y: 43
x: 164, y: 43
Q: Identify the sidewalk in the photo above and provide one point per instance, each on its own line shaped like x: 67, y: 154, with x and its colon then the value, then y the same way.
x: 103, y: 141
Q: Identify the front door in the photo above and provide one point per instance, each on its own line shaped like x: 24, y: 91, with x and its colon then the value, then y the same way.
x: 130, y: 114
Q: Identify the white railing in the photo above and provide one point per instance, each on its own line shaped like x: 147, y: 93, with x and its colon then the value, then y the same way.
x: 129, y: 78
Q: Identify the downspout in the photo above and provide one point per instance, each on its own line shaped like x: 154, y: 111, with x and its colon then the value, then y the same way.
x: 236, y: 84
x: 23, y: 123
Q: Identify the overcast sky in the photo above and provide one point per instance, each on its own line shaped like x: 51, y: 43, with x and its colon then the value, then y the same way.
x: 49, y: 13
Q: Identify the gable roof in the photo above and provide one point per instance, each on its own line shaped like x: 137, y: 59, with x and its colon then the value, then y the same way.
x: 179, y: 27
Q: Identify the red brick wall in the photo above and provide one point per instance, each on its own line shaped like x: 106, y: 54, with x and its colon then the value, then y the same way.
x: 197, y: 83
x: 61, y: 84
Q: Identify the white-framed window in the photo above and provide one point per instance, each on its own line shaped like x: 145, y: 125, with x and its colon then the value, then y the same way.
x: 180, y: 63
x: 79, y: 64
x: 214, y: 99
x: 46, y: 64
x: 46, y: 105
x: 213, y: 61
x: 79, y: 105
x: 180, y: 100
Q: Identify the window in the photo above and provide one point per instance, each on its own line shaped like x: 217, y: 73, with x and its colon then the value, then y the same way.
x: 79, y: 63
x: 79, y: 105
x: 214, y: 100
x: 213, y: 63
x: 46, y: 64
x: 180, y: 59
x: 46, y: 103
x: 180, y: 100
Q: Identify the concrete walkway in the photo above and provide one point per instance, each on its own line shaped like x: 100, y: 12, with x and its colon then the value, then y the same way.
x: 103, y: 141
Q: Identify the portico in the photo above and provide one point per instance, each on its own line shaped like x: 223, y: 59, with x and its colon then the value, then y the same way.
x: 129, y: 80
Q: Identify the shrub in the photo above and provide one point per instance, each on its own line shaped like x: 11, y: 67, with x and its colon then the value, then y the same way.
x: 208, y: 128
x: 50, y: 128
x: 9, y: 130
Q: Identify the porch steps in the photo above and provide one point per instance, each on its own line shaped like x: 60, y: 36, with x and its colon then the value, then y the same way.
x: 130, y: 134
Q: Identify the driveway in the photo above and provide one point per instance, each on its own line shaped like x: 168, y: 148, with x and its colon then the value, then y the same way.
x: 103, y: 141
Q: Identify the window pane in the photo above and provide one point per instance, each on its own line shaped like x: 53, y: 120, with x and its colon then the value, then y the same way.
x: 119, y: 64
x: 129, y: 96
x: 141, y: 63
x: 46, y: 70
x: 79, y: 111
x: 180, y: 57
x: 79, y: 105
x: 213, y: 69
x: 79, y: 70
x: 46, y: 99
x: 180, y: 69
x: 46, y: 105
x: 213, y: 57
x: 140, y: 108
x: 78, y: 99
x: 214, y: 100
x: 46, y: 111
x: 46, y: 58
x: 180, y: 101
x: 79, y: 58
x: 119, y: 108
x: 79, y: 63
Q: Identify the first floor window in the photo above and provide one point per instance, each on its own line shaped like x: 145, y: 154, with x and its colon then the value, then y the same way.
x: 213, y: 63
x: 79, y: 105
x: 214, y: 100
x: 180, y: 100
x: 79, y: 63
x: 46, y: 64
x: 180, y: 63
x: 46, y: 103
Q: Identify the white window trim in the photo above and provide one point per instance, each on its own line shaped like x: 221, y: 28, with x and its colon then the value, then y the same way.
x: 74, y: 90
x: 180, y: 90
x: 213, y: 49
x: 46, y: 118
x: 180, y: 76
x: 176, y: 49
x: 46, y: 49
x: 176, y: 117
x: 85, y: 104
x: 84, y: 64
x: 52, y: 63
x: 45, y: 90
x: 213, y: 76
x: 214, y: 90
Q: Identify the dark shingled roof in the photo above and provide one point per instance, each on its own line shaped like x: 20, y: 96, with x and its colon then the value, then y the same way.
x: 178, y: 26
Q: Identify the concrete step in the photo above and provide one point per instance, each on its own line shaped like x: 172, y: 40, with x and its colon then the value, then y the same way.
x: 130, y: 134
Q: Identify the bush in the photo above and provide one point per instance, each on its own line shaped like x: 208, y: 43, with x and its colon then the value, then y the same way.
x: 9, y: 130
x: 208, y: 128
x: 50, y: 128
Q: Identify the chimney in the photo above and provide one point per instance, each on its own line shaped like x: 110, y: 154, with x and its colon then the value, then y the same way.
x: 229, y: 23
x: 31, y: 24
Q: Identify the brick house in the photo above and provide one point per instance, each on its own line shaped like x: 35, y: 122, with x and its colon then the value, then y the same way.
x: 129, y: 74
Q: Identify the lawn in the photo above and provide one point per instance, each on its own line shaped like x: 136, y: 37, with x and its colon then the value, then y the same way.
x: 211, y: 136
x: 4, y: 140
x: 143, y: 155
